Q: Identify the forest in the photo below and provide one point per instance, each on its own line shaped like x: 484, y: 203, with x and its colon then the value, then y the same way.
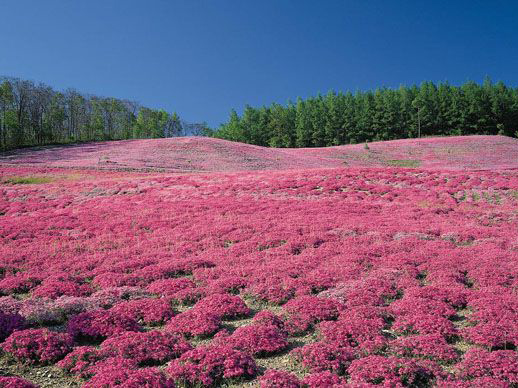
x: 36, y: 114
x: 383, y: 114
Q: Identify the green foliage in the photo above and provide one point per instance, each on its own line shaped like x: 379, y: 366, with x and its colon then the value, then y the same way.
x: 383, y: 114
x: 153, y: 123
x: 35, y: 114
x: 25, y: 180
x: 409, y: 163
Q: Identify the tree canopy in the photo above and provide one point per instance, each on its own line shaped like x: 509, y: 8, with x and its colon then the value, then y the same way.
x: 382, y: 114
x: 35, y: 114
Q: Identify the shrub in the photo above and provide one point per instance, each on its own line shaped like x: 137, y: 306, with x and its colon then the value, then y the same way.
x: 322, y: 380
x: 430, y: 346
x: 86, y: 361
x: 496, y: 318
x: 271, y: 290
x: 259, y: 340
x: 320, y: 357
x: 129, y: 378
x: 303, y: 312
x: 15, y: 382
x: 273, y: 378
x: 108, y: 279
x: 10, y: 323
x: 228, y: 284
x: 38, y: 346
x: 424, y: 324
x: 111, y: 363
x: 99, y: 324
x: 389, y: 371
x: 146, y: 311
x: 479, y: 382
x: 20, y: 282
x: 267, y: 318
x: 415, y: 305
x: 194, y: 323
x: 350, y: 332
x: 41, y: 311
x: 80, y: 361
x: 364, y: 312
x: 489, y: 309
x: 72, y: 305
x: 494, y: 334
x: 53, y: 288
x: 185, y: 266
x: 224, y: 306
x: 149, y: 348
x: 9, y: 305
x: 455, y: 296
x: 108, y: 297
x: 170, y: 287
x: 371, y: 291
x: 500, y: 364
x: 211, y: 365
x: 45, y: 311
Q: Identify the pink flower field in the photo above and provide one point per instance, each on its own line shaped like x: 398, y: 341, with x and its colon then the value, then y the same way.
x: 189, y: 154
x: 261, y: 267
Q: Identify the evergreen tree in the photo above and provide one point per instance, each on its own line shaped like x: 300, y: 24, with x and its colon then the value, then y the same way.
x: 333, y: 118
x: 318, y: 113
x: 349, y: 123
x: 303, y: 126
x: 338, y: 118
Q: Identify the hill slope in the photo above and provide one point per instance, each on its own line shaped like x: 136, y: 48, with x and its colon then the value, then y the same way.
x: 253, y: 266
x: 207, y: 154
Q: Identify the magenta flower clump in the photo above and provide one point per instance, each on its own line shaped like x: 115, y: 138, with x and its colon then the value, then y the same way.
x: 38, y: 346
x: 274, y: 378
x: 211, y: 365
x: 99, y: 324
x: 148, y: 348
x: 145, y: 311
x: 9, y: 323
x: 194, y: 323
x: 15, y: 382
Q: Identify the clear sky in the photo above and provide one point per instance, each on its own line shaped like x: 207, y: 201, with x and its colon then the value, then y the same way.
x: 203, y: 58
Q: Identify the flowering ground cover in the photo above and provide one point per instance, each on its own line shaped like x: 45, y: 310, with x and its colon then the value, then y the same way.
x: 328, y: 277
x: 188, y: 154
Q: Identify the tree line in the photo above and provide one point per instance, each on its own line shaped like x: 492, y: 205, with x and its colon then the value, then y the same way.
x: 382, y: 114
x: 36, y: 114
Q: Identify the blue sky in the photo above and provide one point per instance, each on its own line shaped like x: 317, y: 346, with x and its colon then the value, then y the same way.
x: 203, y: 58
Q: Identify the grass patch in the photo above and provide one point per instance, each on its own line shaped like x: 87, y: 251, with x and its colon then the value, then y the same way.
x: 274, y: 244
x: 27, y: 180
x: 410, y: 163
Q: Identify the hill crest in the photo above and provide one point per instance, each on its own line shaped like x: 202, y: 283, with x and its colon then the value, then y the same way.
x: 200, y: 154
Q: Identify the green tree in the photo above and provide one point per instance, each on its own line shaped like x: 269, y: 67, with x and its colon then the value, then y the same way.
x: 281, y: 125
x: 383, y: 114
x: 232, y: 130
x: 303, y: 124
x: 6, y: 101
x: 349, y: 123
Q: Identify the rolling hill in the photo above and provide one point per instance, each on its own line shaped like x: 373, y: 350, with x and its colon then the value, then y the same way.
x: 199, y: 154
x: 120, y: 265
